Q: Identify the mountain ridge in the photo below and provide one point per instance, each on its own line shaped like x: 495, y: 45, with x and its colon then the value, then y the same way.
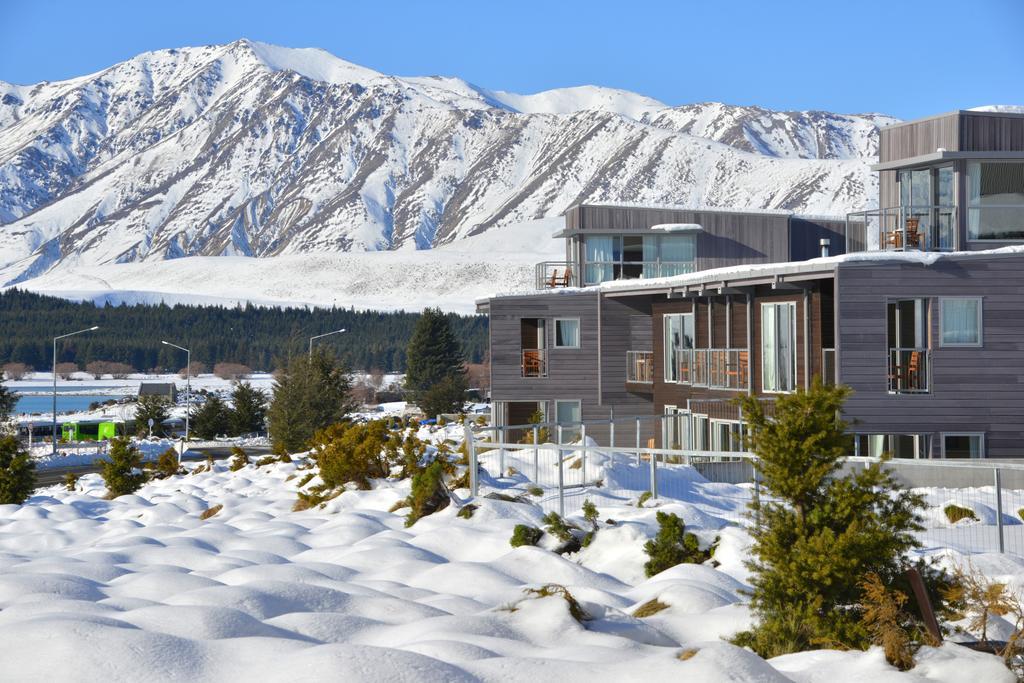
x: 257, y: 150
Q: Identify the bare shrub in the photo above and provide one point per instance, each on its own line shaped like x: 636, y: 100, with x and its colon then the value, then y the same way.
x: 16, y: 371
x: 231, y: 371
x: 65, y: 370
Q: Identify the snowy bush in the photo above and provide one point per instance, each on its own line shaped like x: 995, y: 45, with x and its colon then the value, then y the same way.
x: 955, y: 513
x: 428, y: 493
x: 524, y: 534
x: 122, y: 473
x: 17, y: 475
x: 167, y: 464
x: 673, y: 545
x: 239, y: 458
x: 354, y: 452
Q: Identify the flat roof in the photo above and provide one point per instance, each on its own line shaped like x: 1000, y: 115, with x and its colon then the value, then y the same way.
x: 762, y: 273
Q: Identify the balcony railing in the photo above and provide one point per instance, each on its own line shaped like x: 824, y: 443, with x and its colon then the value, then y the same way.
x: 604, y: 271
x: 828, y: 367
x: 901, y: 228
x: 534, y: 363
x: 715, y: 368
x: 909, y: 370
x: 553, y: 274
x: 640, y: 367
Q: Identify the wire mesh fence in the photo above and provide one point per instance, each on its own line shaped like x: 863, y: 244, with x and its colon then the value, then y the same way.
x: 970, y: 506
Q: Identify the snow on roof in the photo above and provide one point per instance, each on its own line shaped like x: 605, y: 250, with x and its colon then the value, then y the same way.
x: 753, y: 271
x: 711, y: 209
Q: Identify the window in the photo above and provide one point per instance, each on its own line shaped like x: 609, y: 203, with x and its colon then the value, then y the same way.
x: 679, y: 339
x: 567, y: 412
x: 960, y: 321
x: 907, y: 324
x: 970, y: 445
x: 995, y: 200
x: 903, y: 446
x: 726, y: 436
x: 624, y: 257
x: 778, y: 347
x: 567, y: 333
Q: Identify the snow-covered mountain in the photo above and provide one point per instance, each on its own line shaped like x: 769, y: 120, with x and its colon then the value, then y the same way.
x: 255, y: 150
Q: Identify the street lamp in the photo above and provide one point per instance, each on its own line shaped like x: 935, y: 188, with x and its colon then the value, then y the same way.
x: 325, y: 334
x: 188, y: 390
x: 69, y: 334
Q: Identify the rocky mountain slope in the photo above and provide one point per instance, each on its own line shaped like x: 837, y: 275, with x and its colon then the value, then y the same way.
x: 256, y: 150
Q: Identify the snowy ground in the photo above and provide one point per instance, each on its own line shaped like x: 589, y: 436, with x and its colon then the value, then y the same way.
x: 451, y: 277
x: 142, y: 588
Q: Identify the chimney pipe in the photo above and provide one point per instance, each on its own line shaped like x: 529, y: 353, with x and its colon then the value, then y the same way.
x: 824, y: 242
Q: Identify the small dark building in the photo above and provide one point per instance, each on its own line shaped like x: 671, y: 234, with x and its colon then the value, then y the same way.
x: 166, y: 389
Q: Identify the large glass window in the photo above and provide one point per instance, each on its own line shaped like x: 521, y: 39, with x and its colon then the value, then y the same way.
x: 963, y: 445
x: 625, y: 257
x: 778, y: 347
x: 567, y: 333
x: 679, y: 339
x: 960, y: 320
x: 995, y: 200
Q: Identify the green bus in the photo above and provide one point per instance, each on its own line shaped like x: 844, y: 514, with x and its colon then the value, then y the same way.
x: 88, y: 431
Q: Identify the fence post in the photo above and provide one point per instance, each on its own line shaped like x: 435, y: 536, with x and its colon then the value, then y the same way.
x: 654, y: 475
x: 757, y: 496
x: 536, y: 454
x: 561, y: 481
x: 474, y: 484
x: 999, y: 508
x: 583, y: 454
x: 501, y: 452
x: 611, y: 428
x: 638, y: 442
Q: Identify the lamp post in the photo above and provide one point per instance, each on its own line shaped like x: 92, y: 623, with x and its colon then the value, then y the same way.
x: 188, y: 391
x: 69, y: 334
x: 325, y: 334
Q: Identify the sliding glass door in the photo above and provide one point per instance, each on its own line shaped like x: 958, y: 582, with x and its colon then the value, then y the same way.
x: 778, y: 347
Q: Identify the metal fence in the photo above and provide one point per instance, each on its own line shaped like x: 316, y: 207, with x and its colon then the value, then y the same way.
x: 971, y: 506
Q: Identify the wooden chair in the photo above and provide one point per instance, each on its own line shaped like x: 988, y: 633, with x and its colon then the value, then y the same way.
x: 911, y: 375
x: 533, y: 362
x: 567, y: 277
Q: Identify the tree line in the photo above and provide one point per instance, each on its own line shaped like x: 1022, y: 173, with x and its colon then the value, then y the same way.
x: 250, y: 335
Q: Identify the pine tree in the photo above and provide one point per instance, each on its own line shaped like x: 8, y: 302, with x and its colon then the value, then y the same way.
x: 310, y: 395
x: 249, y: 409
x: 211, y: 419
x: 148, y: 408
x: 821, y: 534
x: 8, y: 400
x: 17, y: 472
x: 122, y: 473
x: 435, y: 366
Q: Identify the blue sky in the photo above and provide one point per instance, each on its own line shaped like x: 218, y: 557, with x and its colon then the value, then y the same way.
x: 905, y: 58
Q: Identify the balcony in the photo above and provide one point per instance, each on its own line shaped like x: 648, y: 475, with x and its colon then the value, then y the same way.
x: 605, y: 271
x: 909, y: 370
x: 534, y: 363
x: 555, y: 274
x: 902, y: 228
x: 640, y: 367
x: 727, y: 369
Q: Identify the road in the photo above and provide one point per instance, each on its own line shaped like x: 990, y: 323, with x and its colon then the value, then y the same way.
x: 55, y: 475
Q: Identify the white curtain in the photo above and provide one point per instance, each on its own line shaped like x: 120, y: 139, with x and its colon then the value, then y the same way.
x: 651, y: 256
x: 960, y: 321
x: 672, y: 340
x: 600, y: 252
x: 769, y: 348
x: 787, y: 348
x: 567, y: 333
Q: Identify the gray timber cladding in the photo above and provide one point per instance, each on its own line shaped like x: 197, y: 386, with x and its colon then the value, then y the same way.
x: 960, y: 131
x: 973, y: 389
x: 728, y: 238
x: 572, y: 373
